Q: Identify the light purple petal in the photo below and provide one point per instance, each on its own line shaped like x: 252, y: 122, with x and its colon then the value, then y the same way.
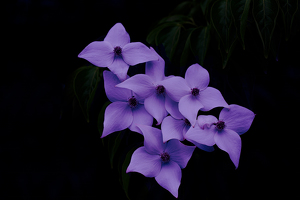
x: 112, y: 92
x: 205, y: 121
x: 140, y: 117
x: 189, y: 107
x: 229, y: 141
x: 202, y: 136
x: 172, y: 108
x: 156, y: 69
x: 197, y: 77
x: 142, y: 162
x: 118, y: 116
x: 117, y: 36
x: 170, y: 177
x: 172, y: 128
x: 152, y: 140
x: 98, y: 53
x: 176, y: 87
x: 119, y: 68
x: 179, y: 152
x: 211, y: 98
x: 136, y: 52
x: 141, y: 84
x: 155, y: 105
x: 237, y: 118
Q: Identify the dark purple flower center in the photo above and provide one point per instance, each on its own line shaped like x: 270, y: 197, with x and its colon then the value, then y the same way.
x: 132, y: 102
x: 160, y: 89
x: 220, y: 125
x: 195, y: 91
x: 118, y: 50
x: 187, y: 122
x: 165, y: 157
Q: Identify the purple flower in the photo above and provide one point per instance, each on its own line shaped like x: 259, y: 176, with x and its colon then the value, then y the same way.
x: 223, y: 132
x: 163, y: 161
x: 176, y: 126
x: 116, y: 52
x: 192, y: 92
x: 126, y: 109
x: 149, y: 87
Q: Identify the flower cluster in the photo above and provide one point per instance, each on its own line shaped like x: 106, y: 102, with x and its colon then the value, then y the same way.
x: 172, y: 101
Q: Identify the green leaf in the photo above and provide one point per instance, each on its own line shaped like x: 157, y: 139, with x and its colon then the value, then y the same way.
x: 288, y: 9
x: 153, y: 36
x: 85, y: 84
x: 265, y: 14
x: 113, y: 146
x: 199, y: 42
x: 240, y: 10
x: 187, y: 49
x: 223, y: 23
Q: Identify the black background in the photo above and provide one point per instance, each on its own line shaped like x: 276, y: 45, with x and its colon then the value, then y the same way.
x: 48, y: 151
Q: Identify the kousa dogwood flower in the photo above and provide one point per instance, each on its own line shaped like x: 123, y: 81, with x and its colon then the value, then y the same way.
x: 225, y: 132
x: 163, y: 161
x: 193, y: 93
x: 176, y: 126
x: 116, y: 52
x: 126, y: 109
x: 149, y: 87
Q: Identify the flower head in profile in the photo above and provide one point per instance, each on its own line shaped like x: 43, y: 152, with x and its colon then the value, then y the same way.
x: 126, y: 109
x: 116, y: 52
x: 163, y: 161
x: 224, y: 132
x: 193, y: 93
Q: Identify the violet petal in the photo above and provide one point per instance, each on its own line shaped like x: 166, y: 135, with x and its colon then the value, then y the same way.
x: 170, y: 177
x: 197, y: 77
x: 118, y: 116
x: 202, y: 136
x: 189, y: 107
x: 176, y: 87
x: 142, y: 162
x: 172, y: 108
x: 237, y: 118
x: 156, y: 69
x: 136, y: 52
x: 211, y: 98
x: 155, y: 105
x: 117, y: 36
x: 98, y: 53
x: 119, y: 68
x: 140, y: 116
x: 229, y: 141
x: 172, y: 128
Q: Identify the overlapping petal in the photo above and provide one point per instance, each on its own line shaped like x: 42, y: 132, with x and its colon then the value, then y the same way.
x: 141, y: 84
x: 155, y: 69
x: 203, y: 136
x: 152, y: 140
x: 237, y: 118
x: 112, y: 92
x: 140, y: 116
x: 205, y: 121
x: 229, y: 141
x: 117, y: 36
x: 172, y: 128
x: 170, y: 177
x: 155, y: 105
x: 99, y: 53
x: 142, y: 162
x: 119, y: 68
x: 136, y: 52
x: 179, y: 152
x: 118, y: 116
x: 176, y: 87
x: 189, y: 107
x: 197, y: 77
x: 172, y: 108
x: 211, y: 98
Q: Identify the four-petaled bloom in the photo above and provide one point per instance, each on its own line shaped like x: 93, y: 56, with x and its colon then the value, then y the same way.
x: 116, y: 52
x: 126, y: 109
x: 149, y: 86
x: 193, y: 93
x: 223, y: 132
x: 163, y: 161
